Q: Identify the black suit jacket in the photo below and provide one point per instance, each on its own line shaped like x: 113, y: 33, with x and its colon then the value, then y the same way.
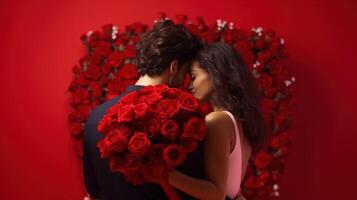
x: 101, y: 183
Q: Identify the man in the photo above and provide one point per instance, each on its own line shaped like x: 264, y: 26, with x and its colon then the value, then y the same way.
x: 163, y: 57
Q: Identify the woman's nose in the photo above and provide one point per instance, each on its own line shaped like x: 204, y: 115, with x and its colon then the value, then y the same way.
x: 190, y: 87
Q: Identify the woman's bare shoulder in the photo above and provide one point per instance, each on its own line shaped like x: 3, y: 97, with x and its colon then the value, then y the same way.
x: 217, y: 116
x: 219, y: 120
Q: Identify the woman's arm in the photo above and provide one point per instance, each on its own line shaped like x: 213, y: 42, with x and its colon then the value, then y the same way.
x: 216, y: 156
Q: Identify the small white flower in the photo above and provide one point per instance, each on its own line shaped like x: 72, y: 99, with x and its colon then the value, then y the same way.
x: 256, y: 64
x: 293, y: 79
x: 276, y: 193
x: 155, y: 21
x: 89, y: 33
x: 114, y: 32
x: 275, y: 187
x: 231, y: 25
x: 287, y: 83
x: 282, y: 41
x: 258, y: 30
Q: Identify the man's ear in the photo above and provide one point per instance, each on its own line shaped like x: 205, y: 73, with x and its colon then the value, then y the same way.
x: 173, y: 67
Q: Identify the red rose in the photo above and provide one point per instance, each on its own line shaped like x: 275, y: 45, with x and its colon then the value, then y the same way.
x: 262, y: 159
x: 270, y: 92
x: 115, y: 59
x: 104, y: 124
x: 189, y: 102
x: 265, y: 81
x: 112, y: 111
x: 251, y: 182
x: 139, y: 126
x: 264, y: 57
x: 280, y: 140
x: 174, y: 154
x: 173, y: 93
x: 162, y: 88
x: 157, y: 173
x: 135, y: 176
x: 155, y: 152
x: 129, y: 51
x: 135, y: 39
x: 101, y: 48
x: 130, y: 98
x: 167, y: 108
x: 267, y: 106
x: 141, y: 109
x: 277, y: 68
x: 80, y: 95
x: 125, y: 113
x: 116, y: 164
x: 114, y: 142
x: 139, y: 143
x: 77, y: 129
x: 151, y: 89
x: 189, y: 145
x: 147, y: 90
x: 93, y: 72
x: 96, y: 89
x: 263, y: 177
x: 153, y: 126
x: 260, y: 43
x: 132, y: 162
x: 128, y: 71
x: 153, y: 99
x: 84, y: 110
x: 280, y: 120
x: 115, y: 87
x: 195, y: 128
x: 170, y: 130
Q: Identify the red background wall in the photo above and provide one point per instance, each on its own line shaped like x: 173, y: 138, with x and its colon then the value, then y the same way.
x: 40, y: 44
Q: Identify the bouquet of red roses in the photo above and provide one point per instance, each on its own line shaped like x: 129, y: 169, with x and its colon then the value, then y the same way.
x: 151, y: 131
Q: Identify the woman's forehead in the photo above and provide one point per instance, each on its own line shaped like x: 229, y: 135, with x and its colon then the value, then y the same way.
x: 194, y: 64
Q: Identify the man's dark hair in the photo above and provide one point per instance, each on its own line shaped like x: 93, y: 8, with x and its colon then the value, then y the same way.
x: 166, y: 42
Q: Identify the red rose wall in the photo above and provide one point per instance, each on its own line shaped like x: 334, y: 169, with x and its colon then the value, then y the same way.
x: 40, y: 45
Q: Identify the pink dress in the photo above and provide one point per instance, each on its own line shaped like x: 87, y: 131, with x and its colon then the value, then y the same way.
x: 235, y: 164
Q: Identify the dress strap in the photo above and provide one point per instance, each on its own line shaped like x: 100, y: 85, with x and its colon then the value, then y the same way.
x: 235, y: 163
x: 237, y: 145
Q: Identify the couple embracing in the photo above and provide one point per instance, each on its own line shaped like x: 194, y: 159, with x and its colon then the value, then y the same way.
x: 235, y: 127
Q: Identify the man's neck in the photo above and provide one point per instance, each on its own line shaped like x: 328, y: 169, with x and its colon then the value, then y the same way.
x: 149, y: 80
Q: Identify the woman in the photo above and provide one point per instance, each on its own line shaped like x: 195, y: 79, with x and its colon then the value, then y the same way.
x: 235, y: 127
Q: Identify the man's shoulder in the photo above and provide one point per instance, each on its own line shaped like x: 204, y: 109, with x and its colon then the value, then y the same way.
x: 99, y: 111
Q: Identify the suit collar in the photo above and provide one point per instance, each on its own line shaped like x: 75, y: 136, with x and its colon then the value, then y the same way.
x: 131, y: 88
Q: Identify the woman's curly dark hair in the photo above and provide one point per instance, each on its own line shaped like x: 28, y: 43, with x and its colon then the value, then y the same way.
x: 235, y: 89
x: 163, y: 44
